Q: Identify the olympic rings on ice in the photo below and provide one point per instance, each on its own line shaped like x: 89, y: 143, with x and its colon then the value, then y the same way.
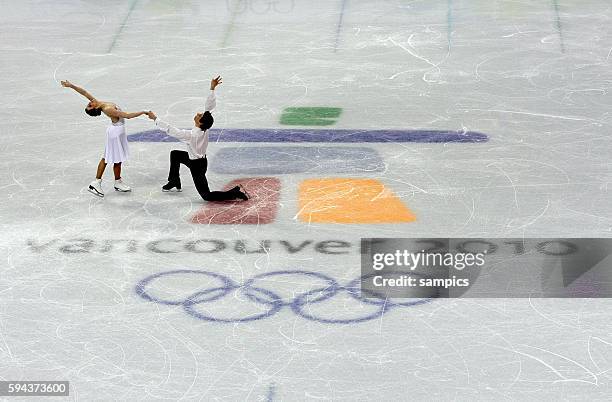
x: 270, y: 301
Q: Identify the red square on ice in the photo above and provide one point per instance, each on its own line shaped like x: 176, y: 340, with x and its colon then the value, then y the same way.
x: 261, y: 207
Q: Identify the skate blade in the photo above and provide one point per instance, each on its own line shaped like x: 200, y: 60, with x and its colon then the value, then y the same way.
x: 95, y: 192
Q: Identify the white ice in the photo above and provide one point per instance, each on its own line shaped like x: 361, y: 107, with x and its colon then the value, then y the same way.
x: 533, y: 75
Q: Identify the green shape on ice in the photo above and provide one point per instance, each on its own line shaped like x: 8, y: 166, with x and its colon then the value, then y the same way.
x: 310, y: 116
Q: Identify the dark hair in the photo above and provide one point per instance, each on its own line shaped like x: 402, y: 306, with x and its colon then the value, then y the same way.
x: 206, y: 121
x: 96, y: 111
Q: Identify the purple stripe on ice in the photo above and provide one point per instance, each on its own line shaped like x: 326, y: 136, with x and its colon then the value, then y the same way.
x: 308, y: 135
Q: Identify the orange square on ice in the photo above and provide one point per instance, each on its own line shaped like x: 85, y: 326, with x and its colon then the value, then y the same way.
x: 350, y: 201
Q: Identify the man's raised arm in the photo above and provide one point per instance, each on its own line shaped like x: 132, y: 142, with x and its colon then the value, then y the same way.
x: 211, y: 101
x: 68, y: 84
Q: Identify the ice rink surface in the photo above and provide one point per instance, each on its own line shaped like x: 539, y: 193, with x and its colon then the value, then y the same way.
x: 100, y: 292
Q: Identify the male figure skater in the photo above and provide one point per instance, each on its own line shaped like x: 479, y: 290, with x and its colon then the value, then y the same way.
x: 116, y: 150
x: 195, y: 156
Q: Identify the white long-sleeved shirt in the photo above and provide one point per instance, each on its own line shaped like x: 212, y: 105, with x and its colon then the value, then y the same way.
x: 196, y: 139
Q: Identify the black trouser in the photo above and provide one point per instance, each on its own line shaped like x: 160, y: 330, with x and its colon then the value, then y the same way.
x: 198, y: 173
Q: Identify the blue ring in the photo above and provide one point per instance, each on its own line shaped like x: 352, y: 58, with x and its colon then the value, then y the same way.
x: 298, y: 308
x: 332, y: 289
x: 192, y: 301
x: 142, y: 285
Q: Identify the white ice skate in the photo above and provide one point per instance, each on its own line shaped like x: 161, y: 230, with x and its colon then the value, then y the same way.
x: 95, y: 187
x: 121, y: 186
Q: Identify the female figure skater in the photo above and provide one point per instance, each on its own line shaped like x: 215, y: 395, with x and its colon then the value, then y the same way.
x: 116, y: 150
x: 195, y: 156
